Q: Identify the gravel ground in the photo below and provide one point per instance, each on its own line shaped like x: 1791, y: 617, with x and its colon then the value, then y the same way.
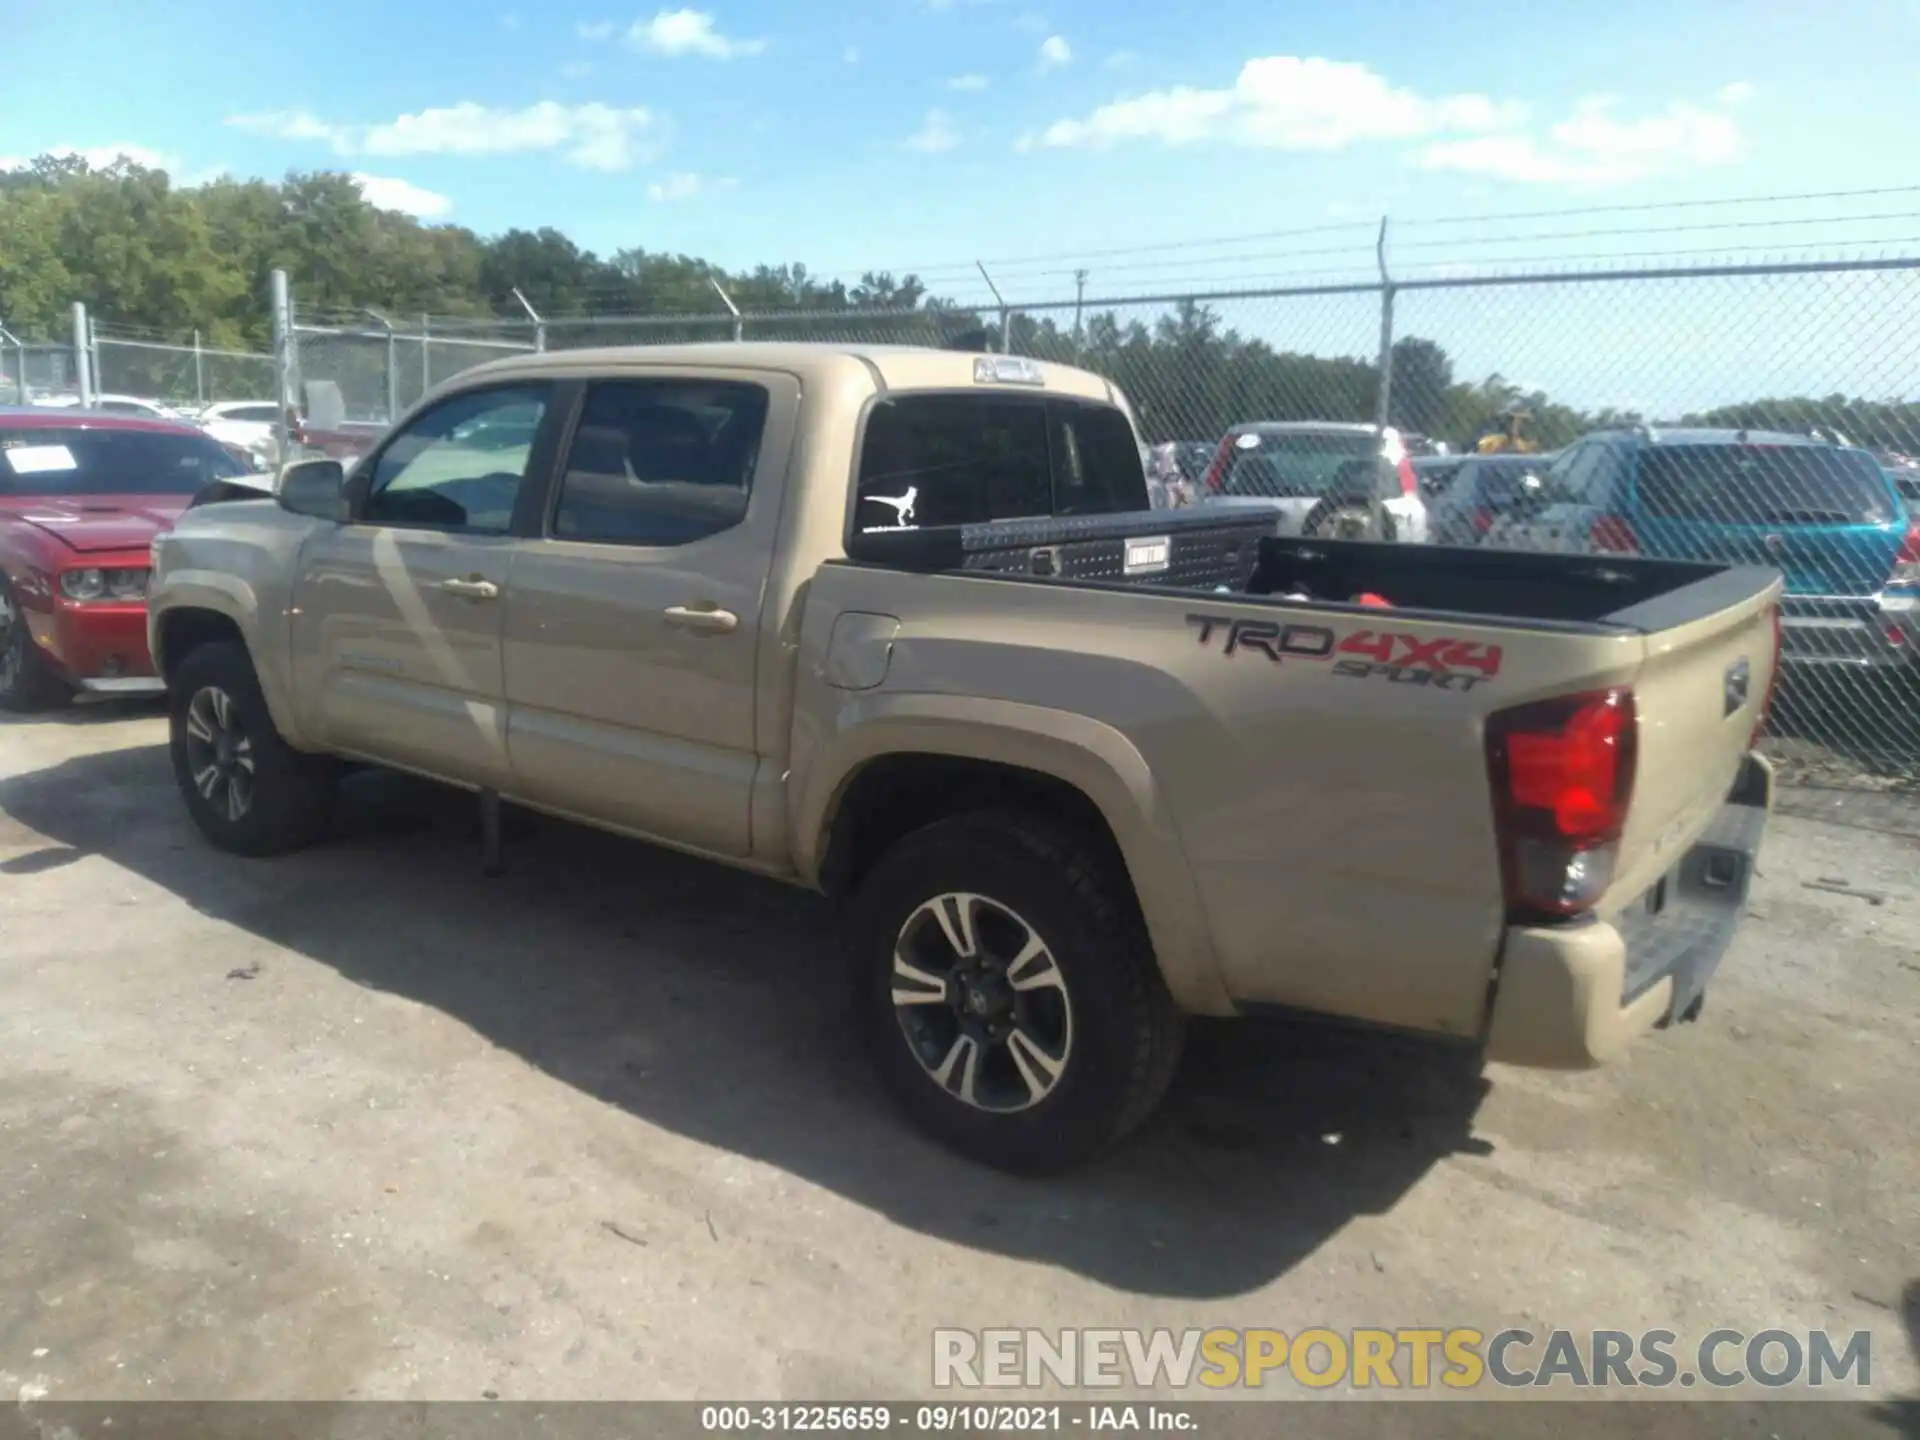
x: 363, y: 1124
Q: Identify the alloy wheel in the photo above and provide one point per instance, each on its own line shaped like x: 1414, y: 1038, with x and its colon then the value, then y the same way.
x: 219, y: 753
x: 982, y: 1003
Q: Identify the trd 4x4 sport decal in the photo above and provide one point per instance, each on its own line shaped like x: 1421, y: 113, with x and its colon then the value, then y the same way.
x: 1443, y: 661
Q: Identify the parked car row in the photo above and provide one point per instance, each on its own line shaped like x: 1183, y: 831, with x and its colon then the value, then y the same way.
x: 1842, y: 524
x: 1035, y: 733
x: 246, y: 427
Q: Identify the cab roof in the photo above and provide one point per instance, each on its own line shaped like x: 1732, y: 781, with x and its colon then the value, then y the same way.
x: 892, y: 367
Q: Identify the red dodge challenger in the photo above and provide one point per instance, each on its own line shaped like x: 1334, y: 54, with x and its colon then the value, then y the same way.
x: 82, y: 495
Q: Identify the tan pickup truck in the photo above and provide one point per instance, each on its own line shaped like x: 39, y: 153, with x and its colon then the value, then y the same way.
x: 895, y: 624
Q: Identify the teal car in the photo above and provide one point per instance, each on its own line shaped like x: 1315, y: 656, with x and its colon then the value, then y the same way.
x: 1827, y: 516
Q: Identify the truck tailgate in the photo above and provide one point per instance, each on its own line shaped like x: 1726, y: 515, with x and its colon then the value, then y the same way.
x: 1711, y: 651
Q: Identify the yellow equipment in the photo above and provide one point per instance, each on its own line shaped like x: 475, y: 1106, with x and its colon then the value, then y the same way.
x: 1508, y: 438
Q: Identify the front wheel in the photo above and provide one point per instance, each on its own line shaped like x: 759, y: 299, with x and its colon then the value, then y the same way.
x: 248, y: 790
x: 1010, y: 994
x: 27, y: 681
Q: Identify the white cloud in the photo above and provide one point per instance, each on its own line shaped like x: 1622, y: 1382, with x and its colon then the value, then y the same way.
x: 935, y: 135
x: 595, y: 29
x: 593, y: 136
x: 283, y: 125
x: 1738, y: 93
x: 1283, y: 102
x: 409, y: 199
x: 1054, y: 52
x: 965, y: 83
x: 684, y: 185
x: 688, y: 32
x: 1120, y: 59
x: 1593, y: 147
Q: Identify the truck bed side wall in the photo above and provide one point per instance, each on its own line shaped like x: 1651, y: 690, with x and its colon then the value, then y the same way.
x: 1333, y: 824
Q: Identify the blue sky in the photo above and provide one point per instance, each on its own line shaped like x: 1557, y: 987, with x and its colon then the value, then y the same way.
x: 1037, y: 134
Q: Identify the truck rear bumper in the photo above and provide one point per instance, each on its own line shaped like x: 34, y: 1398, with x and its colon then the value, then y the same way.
x: 1575, y: 996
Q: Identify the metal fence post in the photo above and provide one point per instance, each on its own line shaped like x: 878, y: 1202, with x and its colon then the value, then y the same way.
x: 426, y: 358
x: 82, y: 371
x: 739, y: 325
x: 283, y: 342
x: 539, y: 325
x: 393, y: 365
x: 1006, y: 315
x: 199, y: 372
x: 1383, y: 400
x: 6, y: 339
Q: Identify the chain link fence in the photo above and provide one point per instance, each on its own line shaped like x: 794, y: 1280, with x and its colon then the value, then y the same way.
x: 186, y: 377
x: 1761, y: 414
x: 30, y: 371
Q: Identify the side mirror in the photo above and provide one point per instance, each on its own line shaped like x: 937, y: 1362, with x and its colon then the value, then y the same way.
x: 315, y: 488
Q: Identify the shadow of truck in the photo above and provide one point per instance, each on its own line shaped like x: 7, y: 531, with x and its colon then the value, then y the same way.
x: 712, y: 1004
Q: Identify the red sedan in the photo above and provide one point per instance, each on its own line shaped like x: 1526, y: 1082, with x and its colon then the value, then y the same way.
x: 82, y: 495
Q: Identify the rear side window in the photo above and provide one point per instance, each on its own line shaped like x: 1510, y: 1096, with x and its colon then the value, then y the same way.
x: 661, y: 462
x: 1762, y: 485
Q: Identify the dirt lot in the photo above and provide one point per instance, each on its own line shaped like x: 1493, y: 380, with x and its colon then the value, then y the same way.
x: 365, y: 1124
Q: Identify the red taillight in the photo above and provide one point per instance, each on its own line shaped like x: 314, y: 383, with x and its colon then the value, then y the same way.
x: 1216, y: 475
x: 1482, y: 521
x: 1906, y: 565
x: 1562, y: 773
x: 1614, y: 534
x: 1409, y: 482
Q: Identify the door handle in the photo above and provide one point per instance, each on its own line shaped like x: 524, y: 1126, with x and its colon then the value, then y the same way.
x: 472, y: 588
x: 702, y: 622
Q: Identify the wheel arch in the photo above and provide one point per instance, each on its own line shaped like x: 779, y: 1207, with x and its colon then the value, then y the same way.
x: 910, y: 760
x: 209, y: 608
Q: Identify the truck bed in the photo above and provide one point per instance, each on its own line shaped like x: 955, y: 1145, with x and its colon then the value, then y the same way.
x: 1203, y: 550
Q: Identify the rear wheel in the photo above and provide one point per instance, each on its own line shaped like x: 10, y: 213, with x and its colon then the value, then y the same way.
x: 27, y: 681
x: 1010, y: 994
x: 248, y: 790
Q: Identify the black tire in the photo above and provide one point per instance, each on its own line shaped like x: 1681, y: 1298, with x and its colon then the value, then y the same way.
x: 1125, y: 1033
x: 288, y: 796
x: 27, y: 681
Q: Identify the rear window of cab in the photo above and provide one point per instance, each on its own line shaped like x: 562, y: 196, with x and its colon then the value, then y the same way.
x: 945, y: 459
